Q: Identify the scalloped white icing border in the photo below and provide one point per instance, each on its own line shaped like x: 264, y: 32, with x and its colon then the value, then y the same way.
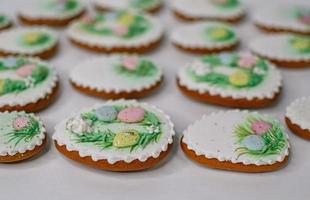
x: 32, y: 11
x: 226, y: 151
x: 9, y: 44
x: 299, y: 112
x: 191, y: 36
x: 34, y: 94
x: 26, y: 147
x: 153, y: 150
x: 204, y: 9
x: 154, y: 34
x: 87, y: 78
x: 120, y: 4
x: 267, y: 89
x: 275, y: 47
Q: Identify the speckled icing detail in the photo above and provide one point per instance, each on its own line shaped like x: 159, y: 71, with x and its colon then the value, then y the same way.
x: 286, y: 47
x: 233, y: 136
x: 285, y: 16
x: 232, y: 75
x: 299, y: 112
x: 4, y: 21
x: 208, y: 9
x: 124, y: 4
x: 205, y: 35
x: 27, y: 40
x: 19, y: 132
x: 109, y: 74
x: 24, y: 80
x: 116, y: 140
x: 116, y: 29
x: 52, y: 9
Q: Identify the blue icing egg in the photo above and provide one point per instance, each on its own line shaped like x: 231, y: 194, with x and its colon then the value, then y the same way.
x: 106, y: 113
x: 226, y: 58
x: 253, y: 142
x: 10, y: 62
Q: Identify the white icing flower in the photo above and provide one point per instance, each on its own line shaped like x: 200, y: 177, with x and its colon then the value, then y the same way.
x: 29, y: 81
x: 79, y: 126
x: 153, y: 129
x: 200, y: 68
x: 259, y: 71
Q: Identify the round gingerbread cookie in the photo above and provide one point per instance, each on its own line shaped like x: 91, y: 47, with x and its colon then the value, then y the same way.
x: 120, y: 31
x: 235, y: 80
x: 224, y: 10
x: 298, y: 117
x: 39, y: 42
x: 116, y: 136
x: 238, y: 141
x: 5, y: 22
x: 151, y: 6
x: 284, y: 17
x: 22, y: 136
x: 205, y: 37
x: 285, y: 50
x: 51, y: 12
x: 26, y: 84
x: 117, y: 77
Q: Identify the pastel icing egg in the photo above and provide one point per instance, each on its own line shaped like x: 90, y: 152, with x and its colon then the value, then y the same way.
x: 253, y: 142
x: 131, y: 115
x: 106, y: 113
x: 239, y: 78
x: 126, y: 139
x: 25, y: 70
x: 32, y: 37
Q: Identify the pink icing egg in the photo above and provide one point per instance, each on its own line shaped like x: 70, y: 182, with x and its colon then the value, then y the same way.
x: 120, y: 30
x: 131, y: 115
x: 20, y: 123
x: 25, y: 70
x: 247, y: 62
x: 130, y: 62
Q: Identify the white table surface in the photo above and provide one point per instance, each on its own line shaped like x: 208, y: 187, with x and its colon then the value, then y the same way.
x: 52, y: 176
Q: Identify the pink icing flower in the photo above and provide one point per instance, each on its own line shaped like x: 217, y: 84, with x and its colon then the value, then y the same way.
x: 130, y: 62
x: 247, y: 61
x: 25, y: 70
x: 120, y: 30
x: 131, y: 115
x: 305, y: 19
x: 20, y: 123
x: 261, y: 127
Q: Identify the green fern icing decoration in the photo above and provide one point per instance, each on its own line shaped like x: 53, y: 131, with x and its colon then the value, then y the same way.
x: 144, y: 4
x: 218, y: 33
x: 300, y: 44
x: 228, y: 5
x: 144, y: 68
x: 260, y: 137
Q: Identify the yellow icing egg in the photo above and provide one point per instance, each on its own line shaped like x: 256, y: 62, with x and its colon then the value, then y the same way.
x: 1, y: 86
x: 32, y: 37
x: 126, y: 20
x: 239, y: 78
x: 301, y: 44
x: 219, y: 33
x: 126, y: 139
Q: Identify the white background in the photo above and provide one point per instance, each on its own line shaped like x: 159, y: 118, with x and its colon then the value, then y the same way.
x: 52, y: 176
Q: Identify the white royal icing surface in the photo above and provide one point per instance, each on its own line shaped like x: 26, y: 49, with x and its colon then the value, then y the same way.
x: 120, y: 4
x: 39, y: 9
x: 299, y: 112
x: 152, y: 35
x: 276, y: 47
x: 9, y: 41
x: 31, y: 95
x: 194, y: 36
x: 205, y: 9
x: 100, y: 74
x: 212, y: 136
x: 280, y: 16
x: 23, y: 146
x: 62, y: 137
x: 267, y: 89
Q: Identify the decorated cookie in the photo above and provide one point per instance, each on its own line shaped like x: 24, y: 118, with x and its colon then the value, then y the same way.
x: 26, y: 84
x: 224, y: 10
x: 234, y: 80
x: 117, y: 77
x: 238, y: 141
x: 121, y: 31
x: 22, y: 136
x: 298, y: 117
x: 116, y: 136
x: 144, y: 5
x: 40, y: 42
x: 205, y: 37
x: 284, y: 18
x: 4, y: 22
x: 51, y: 12
x: 285, y: 50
